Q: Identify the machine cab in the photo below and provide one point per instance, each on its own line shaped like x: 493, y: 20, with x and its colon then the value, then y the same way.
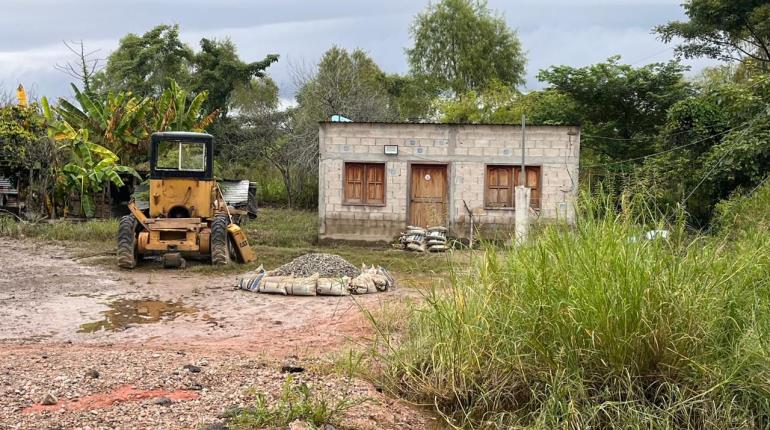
x: 181, y: 175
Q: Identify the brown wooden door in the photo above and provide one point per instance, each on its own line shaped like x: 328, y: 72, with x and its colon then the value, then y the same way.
x: 428, y: 201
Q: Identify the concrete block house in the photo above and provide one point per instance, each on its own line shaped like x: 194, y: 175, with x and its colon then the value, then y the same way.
x: 377, y: 178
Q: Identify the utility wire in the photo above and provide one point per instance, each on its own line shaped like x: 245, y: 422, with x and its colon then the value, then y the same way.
x: 759, y: 81
x: 719, y: 162
x: 747, y: 123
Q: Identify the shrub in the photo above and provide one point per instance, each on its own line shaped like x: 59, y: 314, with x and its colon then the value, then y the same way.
x: 592, y: 328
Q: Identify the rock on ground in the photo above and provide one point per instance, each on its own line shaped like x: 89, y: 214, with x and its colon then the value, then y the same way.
x: 326, y: 265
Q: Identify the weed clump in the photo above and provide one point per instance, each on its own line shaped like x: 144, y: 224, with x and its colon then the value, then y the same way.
x: 595, y: 328
x: 297, y: 402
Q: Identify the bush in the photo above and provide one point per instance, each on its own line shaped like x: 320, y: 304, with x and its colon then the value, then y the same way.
x: 594, y: 329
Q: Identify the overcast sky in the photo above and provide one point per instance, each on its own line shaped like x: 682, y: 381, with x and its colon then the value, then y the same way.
x: 573, y: 32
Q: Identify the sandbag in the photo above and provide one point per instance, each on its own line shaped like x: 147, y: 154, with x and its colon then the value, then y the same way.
x: 333, y: 286
x: 301, y: 286
x: 273, y: 285
x: 415, y: 247
x: 363, y: 284
x: 438, y: 229
x: 250, y: 281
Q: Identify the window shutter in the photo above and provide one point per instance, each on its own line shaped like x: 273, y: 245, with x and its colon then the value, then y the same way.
x: 533, y: 182
x: 499, y: 186
x: 354, y: 182
x: 375, y: 183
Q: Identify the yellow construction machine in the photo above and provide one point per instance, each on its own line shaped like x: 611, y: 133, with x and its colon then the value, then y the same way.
x: 187, y: 215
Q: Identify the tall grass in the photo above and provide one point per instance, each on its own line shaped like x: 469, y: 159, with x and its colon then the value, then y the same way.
x: 591, y: 328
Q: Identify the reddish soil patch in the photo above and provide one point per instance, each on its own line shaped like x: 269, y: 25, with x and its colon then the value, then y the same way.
x: 124, y: 393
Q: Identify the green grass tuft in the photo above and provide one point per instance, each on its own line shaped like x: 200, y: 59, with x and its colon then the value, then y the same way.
x: 590, y: 328
x: 296, y: 402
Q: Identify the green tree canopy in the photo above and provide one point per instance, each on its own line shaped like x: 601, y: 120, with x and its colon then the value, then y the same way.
x: 460, y: 45
x: 722, y: 29
x: 143, y: 64
x: 501, y: 104
x: 218, y: 70
x: 627, y: 105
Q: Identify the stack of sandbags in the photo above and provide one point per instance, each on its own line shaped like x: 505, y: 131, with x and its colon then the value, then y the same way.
x: 420, y: 239
x: 413, y: 239
x: 436, y: 239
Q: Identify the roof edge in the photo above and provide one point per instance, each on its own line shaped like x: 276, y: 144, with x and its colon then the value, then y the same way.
x: 445, y: 123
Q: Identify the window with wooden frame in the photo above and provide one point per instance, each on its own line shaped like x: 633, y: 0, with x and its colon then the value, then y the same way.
x: 364, y: 184
x: 500, y: 181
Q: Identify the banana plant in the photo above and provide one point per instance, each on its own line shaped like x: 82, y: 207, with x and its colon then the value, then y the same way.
x: 117, y: 121
x: 171, y: 111
x: 92, y: 166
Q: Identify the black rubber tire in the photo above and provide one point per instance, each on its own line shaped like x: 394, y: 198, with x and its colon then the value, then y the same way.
x: 127, y: 255
x: 220, y: 252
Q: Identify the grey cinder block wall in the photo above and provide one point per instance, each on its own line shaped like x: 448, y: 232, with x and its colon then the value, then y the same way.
x: 465, y: 150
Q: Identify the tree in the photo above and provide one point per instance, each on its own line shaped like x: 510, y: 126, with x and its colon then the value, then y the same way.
x: 84, y: 68
x: 501, y: 104
x: 623, y: 104
x: 350, y: 84
x: 123, y: 123
x: 27, y: 153
x: 218, y: 71
x: 143, y: 64
x: 715, y: 143
x: 460, y: 45
x: 91, y: 167
x: 411, y: 97
x: 172, y: 112
x: 722, y: 29
x: 117, y: 122
x: 259, y: 95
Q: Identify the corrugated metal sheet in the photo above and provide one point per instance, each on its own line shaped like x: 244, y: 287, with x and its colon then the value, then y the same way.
x: 6, y: 187
x: 235, y: 192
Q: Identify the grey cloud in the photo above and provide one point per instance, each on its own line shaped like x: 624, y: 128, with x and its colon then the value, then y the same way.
x: 552, y: 31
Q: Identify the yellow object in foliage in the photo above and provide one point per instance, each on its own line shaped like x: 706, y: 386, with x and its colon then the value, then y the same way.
x: 245, y: 253
x: 21, y: 95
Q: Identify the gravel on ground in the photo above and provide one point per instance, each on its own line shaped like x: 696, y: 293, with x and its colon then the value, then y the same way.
x: 143, y: 388
x: 326, y: 265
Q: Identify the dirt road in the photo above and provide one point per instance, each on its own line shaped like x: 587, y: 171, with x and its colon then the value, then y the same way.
x: 62, y: 322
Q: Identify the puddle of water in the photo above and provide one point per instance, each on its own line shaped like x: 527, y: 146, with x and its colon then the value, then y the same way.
x: 144, y: 311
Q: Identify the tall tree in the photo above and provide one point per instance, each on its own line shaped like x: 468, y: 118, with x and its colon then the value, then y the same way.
x: 460, y: 45
x: 623, y: 104
x: 346, y: 83
x: 723, y: 29
x: 144, y: 64
x: 219, y: 70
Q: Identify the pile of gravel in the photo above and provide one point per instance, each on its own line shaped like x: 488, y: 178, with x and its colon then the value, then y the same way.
x: 326, y: 265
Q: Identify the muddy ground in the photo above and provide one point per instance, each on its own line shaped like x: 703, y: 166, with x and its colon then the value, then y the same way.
x: 108, y: 344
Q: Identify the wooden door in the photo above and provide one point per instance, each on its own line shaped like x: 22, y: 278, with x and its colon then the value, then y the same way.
x: 428, y: 201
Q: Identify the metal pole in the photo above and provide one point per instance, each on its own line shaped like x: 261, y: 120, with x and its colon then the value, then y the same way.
x: 523, y: 176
